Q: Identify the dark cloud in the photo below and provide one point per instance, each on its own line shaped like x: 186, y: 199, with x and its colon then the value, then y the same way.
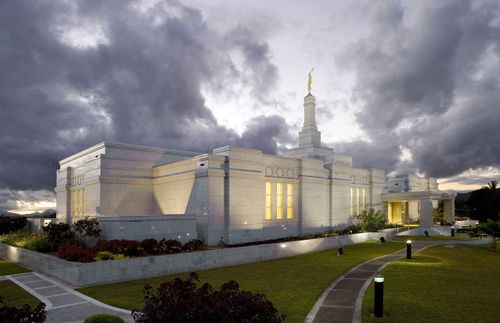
x: 140, y: 83
x: 428, y: 82
x: 273, y: 128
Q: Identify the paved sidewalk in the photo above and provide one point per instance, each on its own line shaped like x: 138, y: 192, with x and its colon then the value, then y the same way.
x: 63, y: 304
x: 342, y: 301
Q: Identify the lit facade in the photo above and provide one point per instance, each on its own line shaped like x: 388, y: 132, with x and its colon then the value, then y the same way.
x: 233, y: 193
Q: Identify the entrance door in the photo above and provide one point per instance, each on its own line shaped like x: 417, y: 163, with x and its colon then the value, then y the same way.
x: 396, y: 217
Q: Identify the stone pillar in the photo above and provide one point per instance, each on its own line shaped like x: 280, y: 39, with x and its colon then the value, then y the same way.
x: 387, y: 211
x: 449, y: 210
x: 426, y: 213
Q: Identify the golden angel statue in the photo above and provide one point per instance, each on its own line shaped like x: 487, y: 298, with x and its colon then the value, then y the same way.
x: 309, y: 80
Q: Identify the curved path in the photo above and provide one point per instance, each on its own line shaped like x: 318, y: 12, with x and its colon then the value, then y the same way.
x: 343, y: 299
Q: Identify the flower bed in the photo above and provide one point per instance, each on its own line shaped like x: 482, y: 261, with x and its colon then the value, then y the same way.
x: 122, y: 249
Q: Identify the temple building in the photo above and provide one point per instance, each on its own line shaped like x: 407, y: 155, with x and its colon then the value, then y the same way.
x: 233, y: 193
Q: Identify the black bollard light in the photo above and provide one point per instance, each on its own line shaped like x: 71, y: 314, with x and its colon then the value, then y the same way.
x: 378, y: 301
x: 452, y: 230
x: 408, y: 249
x: 340, y: 251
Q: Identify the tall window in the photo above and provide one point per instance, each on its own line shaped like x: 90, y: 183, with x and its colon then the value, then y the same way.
x: 279, y: 201
x: 289, y: 201
x: 357, y: 201
x: 78, y: 203
x: 352, y: 201
x: 364, y: 199
x: 269, y: 201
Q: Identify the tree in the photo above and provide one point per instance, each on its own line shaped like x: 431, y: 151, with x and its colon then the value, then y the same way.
x: 491, y: 186
x: 484, y: 203
x: 493, y: 229
x: 437, y: 215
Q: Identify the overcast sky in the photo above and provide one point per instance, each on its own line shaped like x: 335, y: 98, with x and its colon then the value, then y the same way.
x: 405, y: 86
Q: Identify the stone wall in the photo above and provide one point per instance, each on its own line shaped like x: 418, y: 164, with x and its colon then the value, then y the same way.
x: 84, y: 274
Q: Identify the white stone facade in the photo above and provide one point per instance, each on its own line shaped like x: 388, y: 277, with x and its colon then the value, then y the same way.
x: 234, y: 193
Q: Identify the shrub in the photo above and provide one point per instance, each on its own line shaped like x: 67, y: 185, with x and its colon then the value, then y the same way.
x: 32, y: 241
x: 150, y: 247
x: 170, y: 246
x: 12, y: 224
x: 88, y: 227
x: 183, y: 301
x: 103, y: 318
x: 71, y: 252
x: 58, y: 233
x: 107, y: 255
x: 371, y: 220
x: 24, y: 314
x: 192, y: 245
x: 129, y: 248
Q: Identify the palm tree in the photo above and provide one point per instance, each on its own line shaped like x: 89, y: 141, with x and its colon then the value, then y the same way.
x: 493, y: 229
x: 491, y: 186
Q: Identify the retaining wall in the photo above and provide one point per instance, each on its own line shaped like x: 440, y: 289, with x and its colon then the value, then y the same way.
x: 85, y: 274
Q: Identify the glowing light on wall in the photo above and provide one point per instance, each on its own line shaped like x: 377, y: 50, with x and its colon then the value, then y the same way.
x: 289, y: 201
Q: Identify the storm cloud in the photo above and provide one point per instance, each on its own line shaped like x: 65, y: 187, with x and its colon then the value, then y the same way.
x: 428, y: 80
x: 78, y: 73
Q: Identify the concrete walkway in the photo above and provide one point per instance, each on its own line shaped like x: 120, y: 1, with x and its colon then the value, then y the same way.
x: 62, y: 303
x: 342, y: 301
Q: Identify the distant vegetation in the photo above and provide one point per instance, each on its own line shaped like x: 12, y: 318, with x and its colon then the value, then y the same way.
x: 481, y: 204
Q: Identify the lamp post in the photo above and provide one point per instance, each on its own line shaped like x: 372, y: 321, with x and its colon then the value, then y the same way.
x: 408, y: 249
x: 378, y: 300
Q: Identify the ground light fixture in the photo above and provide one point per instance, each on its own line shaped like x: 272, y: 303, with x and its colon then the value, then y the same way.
x: 408, y: 249
x: 452, y: 230
x: 378, y: 300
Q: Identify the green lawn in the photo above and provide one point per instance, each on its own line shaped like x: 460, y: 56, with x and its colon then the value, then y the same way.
x: 14, y: 295
x: 9, y: 268
x: 441, y: 284
x: 293, y: 284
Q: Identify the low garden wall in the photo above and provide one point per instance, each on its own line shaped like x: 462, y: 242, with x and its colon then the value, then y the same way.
x: 84, y: 274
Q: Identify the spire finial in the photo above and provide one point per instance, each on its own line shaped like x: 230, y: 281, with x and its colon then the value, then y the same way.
x: 309, y: 80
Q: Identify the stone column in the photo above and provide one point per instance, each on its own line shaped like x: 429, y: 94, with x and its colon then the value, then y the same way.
x: 426, y: 213
x: 63, y: 195
x: 387, y: 210
x: 449, y: 210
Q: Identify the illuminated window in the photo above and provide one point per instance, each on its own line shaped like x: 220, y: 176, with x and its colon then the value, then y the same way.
x: 279, y: 200
x: 289, y: 201
x: 269, y: 201
x: 357, y: 201
x: 352, y: 201
x: 75, y: 202
x: 78, y: 203
x: 82, y: 202
x: 364, y: 198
